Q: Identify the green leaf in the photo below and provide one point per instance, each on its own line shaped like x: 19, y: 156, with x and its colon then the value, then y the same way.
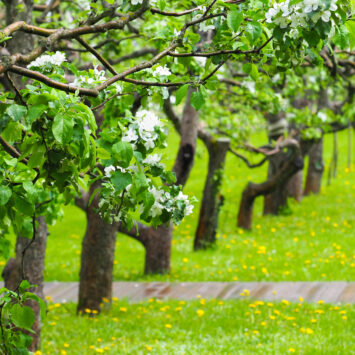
x: 341, y: 38
x: 254, y: 73
x: 36, y: 159
x: 16, y: 112
x: 42, y: 304
x: 161, y: 4
x: 24, y: 206
x: 351, y: 28
x: 181, y: 93
x: 121, y: 180
x: 62, y: 128
x: 89, y: 116
x: 148, y: 201
x: 13, y: 132
x: 197, y: 100
x: 34, y: 112
x: 123, y: 152
x: 253, y: 32
x: 234, y: 20
x: 22, y: 317
x: 140, y: 183
x: 5, y: 194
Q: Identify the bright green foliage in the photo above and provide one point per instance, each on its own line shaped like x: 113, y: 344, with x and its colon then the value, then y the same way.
x: 17, y: 319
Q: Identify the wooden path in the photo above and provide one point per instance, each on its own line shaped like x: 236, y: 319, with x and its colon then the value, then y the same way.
x: 330, y: 292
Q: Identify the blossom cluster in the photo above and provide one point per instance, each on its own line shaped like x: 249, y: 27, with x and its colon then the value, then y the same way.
x: 143, y: 128
x: 165, y: 201
x: 93, y: 77
x: 56, y: 59
x: 296, y: 15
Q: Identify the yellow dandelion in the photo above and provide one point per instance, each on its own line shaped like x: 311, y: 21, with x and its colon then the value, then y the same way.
x: 200, y: 312
x: 169, y: 326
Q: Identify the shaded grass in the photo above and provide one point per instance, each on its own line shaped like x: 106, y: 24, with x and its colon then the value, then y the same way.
x: 202, y: 326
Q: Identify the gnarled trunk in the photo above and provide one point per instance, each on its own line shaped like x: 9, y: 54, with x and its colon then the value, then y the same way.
x: 97, y: 257
x: 211, y: 202
x: 315, y: 168
x: 292, y: 165
x: 33, y: 267
x: 277, y: 199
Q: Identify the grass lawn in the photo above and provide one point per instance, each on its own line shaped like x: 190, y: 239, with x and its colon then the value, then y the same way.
x: 202, y: 327
x: 315, y: 242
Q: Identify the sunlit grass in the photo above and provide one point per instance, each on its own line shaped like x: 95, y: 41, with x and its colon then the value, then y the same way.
x: 315, y: 242
x: 202, y: 326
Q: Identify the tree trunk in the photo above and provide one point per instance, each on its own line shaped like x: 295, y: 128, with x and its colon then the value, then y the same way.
x: 277, y: 127
x: 158, y: 249
x: 97, y: 257
x: 277, y: 199
x: 211, y: 202
x: 33, y: 271
x: 292, y: 165
x: 188, y: 133
x: 295, y: 186
x: 315, y: 168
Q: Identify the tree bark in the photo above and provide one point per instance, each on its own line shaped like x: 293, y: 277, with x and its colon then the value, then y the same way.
x: 295, y: 186
x: 277, y: 127
x: 97, y: 257
x: 33, y: 271
x: 292, y: 165
x: 315, y: 168
x: 277, y: 199
x: 158, y: 249
x: 211, y: 202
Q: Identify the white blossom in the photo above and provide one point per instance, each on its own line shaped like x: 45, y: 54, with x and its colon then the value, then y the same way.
x: 109, y: 170
x: 322, y: 116
x: 153, y: 159
x: 161, y: 71
x: 56, y: 59
x: 298, y: 15
x: 130, y: 136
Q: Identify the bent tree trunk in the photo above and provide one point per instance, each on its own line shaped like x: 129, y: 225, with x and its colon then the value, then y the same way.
x: 211, y: 202
x: 315, y: 168
x: 280, y: 178
x: 33, y: 267
x: 97, y: 257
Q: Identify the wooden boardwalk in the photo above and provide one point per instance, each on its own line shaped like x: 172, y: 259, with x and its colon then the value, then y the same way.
x: 330, y: 292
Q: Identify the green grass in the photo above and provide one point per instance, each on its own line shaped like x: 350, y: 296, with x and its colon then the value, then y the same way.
x: 315, y: 242
x: 202, y: 327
